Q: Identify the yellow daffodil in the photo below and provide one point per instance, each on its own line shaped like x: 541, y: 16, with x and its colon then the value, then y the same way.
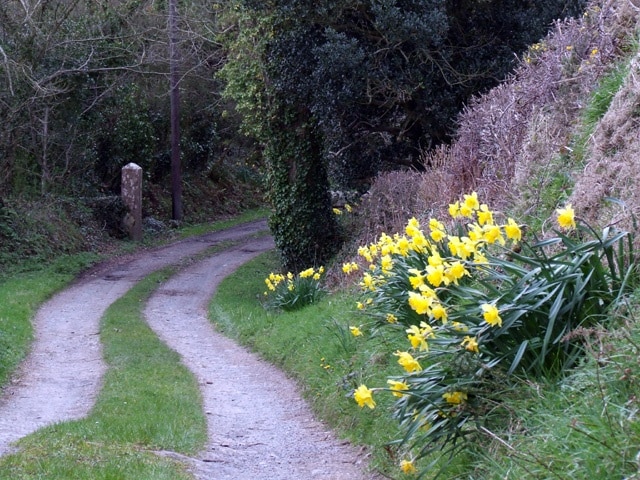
x: 459, y: 327
x: 367, y: 281
x: 337, y: 211
x: 471, y: 201
x: 456, y: 271
x: 391, y: 318
x: 479, y: 258
x: 485, y: 216
x: 491, y: 314
x: 419, y: 242
x: 437, y: 235
x: 364, y: 396
x: 512, y: 230
x: 461, y: 247
x: 438, y: 312
x: 386, y: 263
x: 435, y: 275
x: 416, y: 279
x: 466, y: 211
x: 406, y: 360
x: 454, y: 397
x: 476, y: 232
x: 403, y: 245
x: 309, y: 272
x: 407, y: 467
x: 493, y: 234
x: 435, y: 224
x: 417, y: 339
x: 454, y: 209
x: 397, y: 387
x: 350, y: 267
x: 426, y: 330
x: 420, y: 303
x: 435, y: 260
x: 437, y: 230
x: 566, y: 217
x: 355, y: 331
x: 470, y: 344
x: 365, y: 253
x: 413, y: 227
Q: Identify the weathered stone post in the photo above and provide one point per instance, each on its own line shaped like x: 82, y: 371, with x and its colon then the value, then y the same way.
x: 131, y: 192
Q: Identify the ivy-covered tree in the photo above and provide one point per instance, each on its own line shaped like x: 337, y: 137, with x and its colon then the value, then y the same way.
x: 348, y: 88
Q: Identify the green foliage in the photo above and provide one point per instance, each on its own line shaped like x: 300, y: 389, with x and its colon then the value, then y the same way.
x: 337, y: 90
x: 476, y: 313
x: 41, y: 230
x: 383, y: 79
x: 292, y: 292
x: 83, y: 91
x: 582, y: 427
x: 127, y: 135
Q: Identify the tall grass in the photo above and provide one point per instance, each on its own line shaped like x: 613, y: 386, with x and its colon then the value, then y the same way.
x: 584, y: 427
x: 598, y: 105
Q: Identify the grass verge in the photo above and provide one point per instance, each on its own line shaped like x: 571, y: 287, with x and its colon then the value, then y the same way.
x: 149, y: 402
x: 202, y: 228
x: 584, y: 427
x: 20, y: 296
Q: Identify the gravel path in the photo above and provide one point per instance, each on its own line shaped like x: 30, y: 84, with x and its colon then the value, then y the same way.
x: 259, y: 428
x: 258, y: 425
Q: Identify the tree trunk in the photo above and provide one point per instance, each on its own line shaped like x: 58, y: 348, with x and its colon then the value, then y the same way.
x: 176, y: 175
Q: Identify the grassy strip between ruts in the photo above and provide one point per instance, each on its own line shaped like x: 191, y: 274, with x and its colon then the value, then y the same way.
x: 585, y: 426
x: 149, y: 402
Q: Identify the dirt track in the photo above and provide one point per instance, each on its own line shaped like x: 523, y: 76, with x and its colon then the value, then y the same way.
x: 259, y: 431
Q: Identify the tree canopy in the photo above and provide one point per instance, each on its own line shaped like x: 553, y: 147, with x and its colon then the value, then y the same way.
x: 375, y: 83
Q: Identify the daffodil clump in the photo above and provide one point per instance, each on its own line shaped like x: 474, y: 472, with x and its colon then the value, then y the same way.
x: 478, y: 302
x: 293, y: 291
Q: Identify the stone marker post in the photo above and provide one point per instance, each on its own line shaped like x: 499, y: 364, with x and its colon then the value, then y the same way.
x: 131, y: 191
